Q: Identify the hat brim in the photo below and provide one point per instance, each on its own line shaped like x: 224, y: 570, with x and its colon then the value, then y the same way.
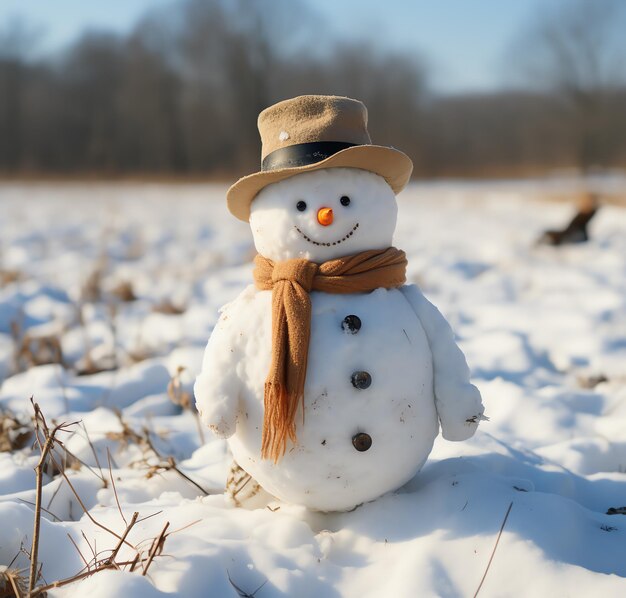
x: 392, y: 164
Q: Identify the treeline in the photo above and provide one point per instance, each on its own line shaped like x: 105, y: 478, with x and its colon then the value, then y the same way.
x: 180, y: 94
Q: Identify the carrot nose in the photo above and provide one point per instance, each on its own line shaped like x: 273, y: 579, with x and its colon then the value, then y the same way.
x: 325, y: 216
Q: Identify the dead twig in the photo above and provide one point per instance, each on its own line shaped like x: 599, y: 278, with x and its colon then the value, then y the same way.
x: 172, y: 465
x: 156, y: 548
x: 117, y: 500
x: 45, y: 447
x: 149, y: 516
x: 144, y: 441
x: 84, y: 508
x: 184, y: 527
x: 78, y: 550
x: 93, y: 449
x: 129, y: 527
x: 76, y: 461
x: 75, y: 464
x: 133, y: 564
x: 32, y: 504
x: 110, y: 562
x: 169, y: 463
x: 92, y: 548
x: 493, y: 552
x: 241, y: 592
x: 68, y: 580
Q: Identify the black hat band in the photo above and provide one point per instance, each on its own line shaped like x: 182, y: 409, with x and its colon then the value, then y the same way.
x: 302, y: 154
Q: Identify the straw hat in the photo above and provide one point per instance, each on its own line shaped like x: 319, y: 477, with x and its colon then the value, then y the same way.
x: 310, y: 133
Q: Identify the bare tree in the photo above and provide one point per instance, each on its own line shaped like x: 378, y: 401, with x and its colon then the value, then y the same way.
x: 181, y: 94
x: 577, y: 52
x: 148, y: 105
x: 17, y: 40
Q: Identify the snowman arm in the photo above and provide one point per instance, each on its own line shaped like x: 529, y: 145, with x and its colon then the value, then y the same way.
x: 217, y: 389
x: 458, y: 402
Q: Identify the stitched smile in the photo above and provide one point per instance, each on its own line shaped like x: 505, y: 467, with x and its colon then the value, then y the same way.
x: 329, y: 244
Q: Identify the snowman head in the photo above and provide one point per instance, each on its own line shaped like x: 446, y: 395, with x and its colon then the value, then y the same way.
x: 323, y: 215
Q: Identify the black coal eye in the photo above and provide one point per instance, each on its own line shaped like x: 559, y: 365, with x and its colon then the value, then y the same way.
x: 301, y: 206
x: 345, y: 200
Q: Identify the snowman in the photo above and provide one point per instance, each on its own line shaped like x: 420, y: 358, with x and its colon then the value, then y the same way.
x: 329, y: 376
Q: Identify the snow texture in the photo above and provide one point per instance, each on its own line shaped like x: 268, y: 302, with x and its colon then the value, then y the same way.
x: 544, y: 330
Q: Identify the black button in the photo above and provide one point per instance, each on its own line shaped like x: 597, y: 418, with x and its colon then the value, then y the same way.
x: 351, y: 324
x: 361, y: 380
x: 362, y: 441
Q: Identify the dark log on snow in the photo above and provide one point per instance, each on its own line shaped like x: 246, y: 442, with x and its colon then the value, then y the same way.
x: 576, y: 231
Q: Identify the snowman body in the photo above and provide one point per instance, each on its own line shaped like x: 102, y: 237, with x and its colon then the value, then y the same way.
x: 324, y: 470
x: 383, y: 367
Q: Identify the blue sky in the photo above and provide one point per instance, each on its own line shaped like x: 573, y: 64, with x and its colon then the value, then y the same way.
x: 464, y: 41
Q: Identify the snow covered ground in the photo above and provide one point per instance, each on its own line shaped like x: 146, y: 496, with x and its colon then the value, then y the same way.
x: 126, y: 281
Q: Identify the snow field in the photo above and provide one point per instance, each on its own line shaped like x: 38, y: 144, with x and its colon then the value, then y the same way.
x: 543, y: 329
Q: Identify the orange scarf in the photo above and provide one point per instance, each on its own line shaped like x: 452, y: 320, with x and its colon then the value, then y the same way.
x: 291, y: 282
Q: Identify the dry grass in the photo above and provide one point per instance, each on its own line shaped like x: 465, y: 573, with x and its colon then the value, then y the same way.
x: 56, y: 461
x: 169, y: 308
x: 91, y: 291
x: 15, y: 431
x: 34, y: 350
x: 124, y: 292
x: 152, y: 461
x: 13, y: 584
x: 8, y: 276
x: 591, y: 381
x: 12, y: 581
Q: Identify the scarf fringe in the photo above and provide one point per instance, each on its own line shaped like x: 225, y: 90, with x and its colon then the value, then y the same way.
x: 278, y: 421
